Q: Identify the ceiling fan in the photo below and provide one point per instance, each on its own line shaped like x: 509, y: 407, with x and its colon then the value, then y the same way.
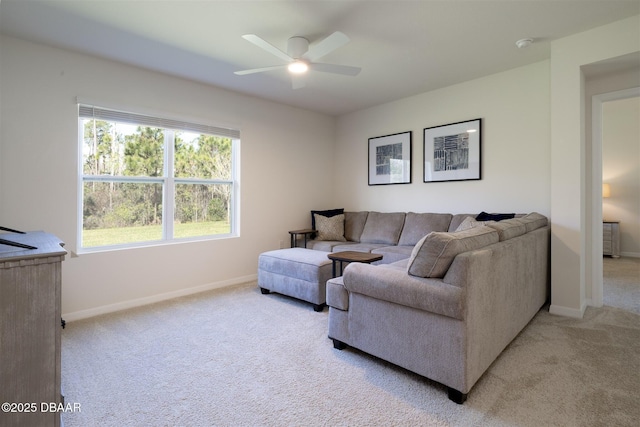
x: 299, y: 58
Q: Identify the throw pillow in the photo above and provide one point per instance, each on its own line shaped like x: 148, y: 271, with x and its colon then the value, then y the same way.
x: 470, y: 222
x: 327, y: 213
x: 330, y: 228
x: 483, y: 216
x: 434, y: 253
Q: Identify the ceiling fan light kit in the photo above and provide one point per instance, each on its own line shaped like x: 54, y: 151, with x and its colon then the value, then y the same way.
x: 299, y: 58
x: 298, y: 67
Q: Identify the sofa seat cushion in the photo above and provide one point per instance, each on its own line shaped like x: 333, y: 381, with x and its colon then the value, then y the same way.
x: 393, y: 253
x: 418, y: 225
x: 392, y: 284
x: 326, y: 245
x: 433, y: 255
x: 358, y: 247
x: 402, y: 264
x: 383, y: 228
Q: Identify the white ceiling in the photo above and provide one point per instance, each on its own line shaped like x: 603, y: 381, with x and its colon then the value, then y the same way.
x: 403, y: 47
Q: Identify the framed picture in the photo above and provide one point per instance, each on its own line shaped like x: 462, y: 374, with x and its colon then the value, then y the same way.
x: 453, y: 152
x: 390, y: 159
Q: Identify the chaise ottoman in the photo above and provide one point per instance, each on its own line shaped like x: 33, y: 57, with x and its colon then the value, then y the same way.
x: 296, y: 272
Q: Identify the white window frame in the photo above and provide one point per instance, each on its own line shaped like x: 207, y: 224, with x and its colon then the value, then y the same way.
x: 168, y: 181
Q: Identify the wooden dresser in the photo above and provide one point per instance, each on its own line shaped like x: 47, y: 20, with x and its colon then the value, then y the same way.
x: 30, y: 347
x: 611, y: 238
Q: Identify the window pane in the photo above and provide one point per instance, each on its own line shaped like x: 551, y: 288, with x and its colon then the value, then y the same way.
x: 116, y: 213
x: 202, y: 210
x: 118, y: 149
x: 202, y: 156
x: 125, y: 178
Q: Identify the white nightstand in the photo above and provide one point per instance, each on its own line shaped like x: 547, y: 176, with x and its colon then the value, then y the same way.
x: 611, y: 238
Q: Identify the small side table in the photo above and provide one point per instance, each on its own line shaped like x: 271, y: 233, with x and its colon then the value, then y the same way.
x: 294, y: 236
x: 611, y: 238
x: 351, y: 256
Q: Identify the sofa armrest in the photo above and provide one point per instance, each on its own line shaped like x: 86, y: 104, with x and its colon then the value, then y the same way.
x: 397, y: 286
x: 337, y: 296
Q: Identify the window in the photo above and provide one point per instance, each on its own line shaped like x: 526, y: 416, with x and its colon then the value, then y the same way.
x: 145, y: 180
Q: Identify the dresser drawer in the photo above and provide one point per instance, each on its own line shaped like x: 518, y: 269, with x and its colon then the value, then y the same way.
x: 611, y: 239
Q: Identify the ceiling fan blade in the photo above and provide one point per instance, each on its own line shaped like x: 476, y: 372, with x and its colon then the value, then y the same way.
x: 336, y: 69
x: 267, y: 46
x: 258, y: 70
x: 297, y: 81
x: 329, y: 44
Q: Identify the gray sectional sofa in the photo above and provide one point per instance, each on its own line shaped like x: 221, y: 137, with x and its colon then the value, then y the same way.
x: 450, y: 294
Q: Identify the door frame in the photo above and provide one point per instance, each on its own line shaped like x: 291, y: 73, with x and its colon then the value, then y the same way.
x: 597, y: 283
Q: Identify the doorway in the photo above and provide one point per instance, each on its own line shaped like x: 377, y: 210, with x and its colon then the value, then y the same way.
x: 598, y: 101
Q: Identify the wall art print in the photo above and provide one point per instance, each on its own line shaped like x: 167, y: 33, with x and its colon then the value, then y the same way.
x: 390, y: 159
x: 453, y: 152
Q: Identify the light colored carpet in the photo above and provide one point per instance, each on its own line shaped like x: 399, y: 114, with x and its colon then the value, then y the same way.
x: 622, y: 283
x: 234, y: 357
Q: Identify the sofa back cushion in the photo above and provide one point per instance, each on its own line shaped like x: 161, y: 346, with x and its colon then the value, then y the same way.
x: 383, y: 228
x: 434, y: 253
x: 533, y: 221
x: 418, y: 225
x: 354, y: 224
x: 508, y: 228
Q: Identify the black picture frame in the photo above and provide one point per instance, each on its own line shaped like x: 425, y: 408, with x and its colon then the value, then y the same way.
x: 390, y: 159
x: 453, y: 152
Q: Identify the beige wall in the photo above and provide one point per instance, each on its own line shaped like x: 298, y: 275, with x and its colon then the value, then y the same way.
x: 534, y: 158
x: 286, y: 169
x: 621, y: 169
x: 514, y: 107
x: 570, y: 172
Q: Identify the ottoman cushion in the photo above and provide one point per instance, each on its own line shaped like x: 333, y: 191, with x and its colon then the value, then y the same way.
x: 297, y: 272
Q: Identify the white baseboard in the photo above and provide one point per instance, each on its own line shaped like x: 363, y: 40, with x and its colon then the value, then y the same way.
x: 559, y: 310
x: 110, y: 308
x: 631, y: 254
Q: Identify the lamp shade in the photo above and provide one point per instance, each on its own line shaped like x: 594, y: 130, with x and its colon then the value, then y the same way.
x: 606, y: 190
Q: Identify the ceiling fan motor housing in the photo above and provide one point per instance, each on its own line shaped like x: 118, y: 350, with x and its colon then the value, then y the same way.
x: 297, y: 46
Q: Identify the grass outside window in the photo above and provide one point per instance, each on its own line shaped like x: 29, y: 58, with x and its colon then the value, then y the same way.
x: 149, y: 233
